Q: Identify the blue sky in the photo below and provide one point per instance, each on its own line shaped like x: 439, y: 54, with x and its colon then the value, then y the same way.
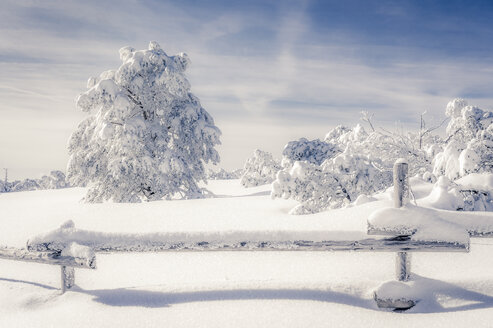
x: 268, y: 71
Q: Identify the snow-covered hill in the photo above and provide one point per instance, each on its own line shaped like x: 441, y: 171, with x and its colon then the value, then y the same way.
x: 228, y: 289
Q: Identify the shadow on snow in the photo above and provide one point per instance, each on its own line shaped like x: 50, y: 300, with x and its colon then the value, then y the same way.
x: 432, y: 292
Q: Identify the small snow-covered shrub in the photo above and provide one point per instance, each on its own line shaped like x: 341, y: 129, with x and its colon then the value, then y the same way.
x: 312, y: 186
x: 469, y: 147
x: 260, y: 169
x: 147, y: 136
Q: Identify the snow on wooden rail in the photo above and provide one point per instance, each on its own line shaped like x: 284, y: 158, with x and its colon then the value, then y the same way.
x: 235, y: 241
x: 53, y: 258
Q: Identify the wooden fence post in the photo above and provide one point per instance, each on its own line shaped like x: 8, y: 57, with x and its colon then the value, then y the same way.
x: 401, y: 195
x: 68, y: 277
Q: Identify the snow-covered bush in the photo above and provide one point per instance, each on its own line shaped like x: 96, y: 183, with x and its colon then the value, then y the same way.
x: 260, y: 169
x: 56, y: 180
x: 356, y: 163
x: 312, y: 151
x: 469, y: 147
x: 147, y: 135
x: 312, y: 186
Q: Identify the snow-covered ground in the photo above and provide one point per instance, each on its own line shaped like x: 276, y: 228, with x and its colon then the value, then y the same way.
x: 228, y: 289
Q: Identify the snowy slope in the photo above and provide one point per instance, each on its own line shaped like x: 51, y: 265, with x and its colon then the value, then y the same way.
x: 227, y: 289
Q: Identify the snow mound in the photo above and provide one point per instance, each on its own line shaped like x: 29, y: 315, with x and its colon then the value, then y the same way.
x: 445, y: 195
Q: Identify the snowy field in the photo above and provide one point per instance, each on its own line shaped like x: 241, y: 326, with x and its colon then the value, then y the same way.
x: 228, y: 289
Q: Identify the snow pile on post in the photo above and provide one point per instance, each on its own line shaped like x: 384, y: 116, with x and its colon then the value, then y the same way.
x: 83, y: 255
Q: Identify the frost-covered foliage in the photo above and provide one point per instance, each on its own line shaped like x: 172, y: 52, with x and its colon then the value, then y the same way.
x: 24, y: 185
x: 56, y: 180
x: 260, y: 169
x: 312, y: 186
x: 355, y: 163
x: 147, y: 135
x: 469, y: 147
x: 312, y: 151
x: 222, y: 174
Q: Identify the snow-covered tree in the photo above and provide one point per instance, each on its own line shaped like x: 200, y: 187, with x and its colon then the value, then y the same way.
x: 147, y: 136
x: 260, y: 169
x: 469, y: 146
x: 56, y: 180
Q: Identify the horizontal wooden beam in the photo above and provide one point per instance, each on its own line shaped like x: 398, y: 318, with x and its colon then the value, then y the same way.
x: 47, y: 257
x: 379, y: 231
x: 480, y: 233
x: 394, y: 244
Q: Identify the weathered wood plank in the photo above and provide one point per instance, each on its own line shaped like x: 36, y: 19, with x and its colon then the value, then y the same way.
x: 375, y: 231
x: 68, y: 278
x: 403, y: 266
x: 394, y: 244
x: 46, y: 257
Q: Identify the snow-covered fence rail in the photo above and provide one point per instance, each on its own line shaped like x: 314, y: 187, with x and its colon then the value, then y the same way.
x: 72, y: 256
x: 393, y: 244
x: 53, y: 258
x: 232, y: 241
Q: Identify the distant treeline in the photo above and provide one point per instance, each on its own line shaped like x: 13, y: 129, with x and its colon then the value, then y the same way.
x: 55, y: 180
